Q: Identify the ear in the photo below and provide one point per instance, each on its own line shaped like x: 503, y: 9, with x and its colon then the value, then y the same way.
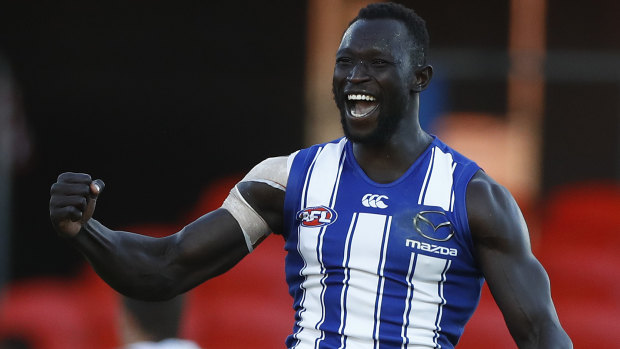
x: 422, y: 77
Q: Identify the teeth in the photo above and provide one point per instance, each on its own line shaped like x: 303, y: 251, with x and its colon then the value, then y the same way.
x: 360, y: 98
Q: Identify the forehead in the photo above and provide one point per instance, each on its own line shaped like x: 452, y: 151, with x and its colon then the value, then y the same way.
x: 376, y: 34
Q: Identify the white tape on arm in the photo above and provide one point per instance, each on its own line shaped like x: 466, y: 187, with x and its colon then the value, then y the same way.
x: 252, y: 224
x: 273, y: 172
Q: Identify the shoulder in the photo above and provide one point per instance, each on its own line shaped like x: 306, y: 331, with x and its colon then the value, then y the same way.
x: 483, y: 192
x: 493, y: 214
x: 272, y: 171
x: 275, y: 171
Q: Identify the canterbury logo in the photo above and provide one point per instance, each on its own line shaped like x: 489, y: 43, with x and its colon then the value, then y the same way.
x: 374, y: 200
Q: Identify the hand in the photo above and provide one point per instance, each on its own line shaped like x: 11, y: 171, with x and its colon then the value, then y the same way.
x: 72, y: 202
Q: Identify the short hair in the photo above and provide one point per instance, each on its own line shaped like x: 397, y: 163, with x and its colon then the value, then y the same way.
x: 160, y: 319
x: 416, y: 26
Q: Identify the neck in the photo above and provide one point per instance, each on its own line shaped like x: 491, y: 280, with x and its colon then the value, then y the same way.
x: 385, y: 163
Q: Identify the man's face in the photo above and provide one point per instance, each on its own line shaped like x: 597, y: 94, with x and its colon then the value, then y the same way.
x: 372, y: 79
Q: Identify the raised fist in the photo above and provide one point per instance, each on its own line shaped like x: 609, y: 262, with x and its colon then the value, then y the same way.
x: 72, y: 201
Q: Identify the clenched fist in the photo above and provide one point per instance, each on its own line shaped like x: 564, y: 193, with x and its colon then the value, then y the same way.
x: 72, y: 202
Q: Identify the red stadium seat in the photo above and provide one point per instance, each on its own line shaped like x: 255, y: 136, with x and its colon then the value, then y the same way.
x: 579, y: 249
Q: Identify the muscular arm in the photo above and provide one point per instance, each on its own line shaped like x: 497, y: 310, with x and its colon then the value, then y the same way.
x: 158, y: 268
x: 517, y: 280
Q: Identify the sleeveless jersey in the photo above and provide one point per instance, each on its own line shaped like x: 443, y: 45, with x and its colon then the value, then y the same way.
x: 373, y: 265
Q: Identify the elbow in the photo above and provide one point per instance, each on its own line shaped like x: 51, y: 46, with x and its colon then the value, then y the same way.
x: 149, y: 288
x: 145, y: 280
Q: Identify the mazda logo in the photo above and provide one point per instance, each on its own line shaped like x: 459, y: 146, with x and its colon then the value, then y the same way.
x: 433, y: 225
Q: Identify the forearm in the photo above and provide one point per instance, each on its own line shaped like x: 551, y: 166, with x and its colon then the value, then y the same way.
x: 549, y: 336
x: 523, y: 295
x: 140, y: 266
x: 135, y: 265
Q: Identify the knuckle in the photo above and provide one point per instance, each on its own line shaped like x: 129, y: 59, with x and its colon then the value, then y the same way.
x: 53, y: 188
x: 74, y: 177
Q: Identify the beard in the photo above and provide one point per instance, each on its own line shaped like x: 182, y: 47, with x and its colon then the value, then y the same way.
x: 387, y: 122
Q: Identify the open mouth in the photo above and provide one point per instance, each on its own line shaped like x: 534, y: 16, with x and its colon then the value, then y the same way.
x: 361, y: 105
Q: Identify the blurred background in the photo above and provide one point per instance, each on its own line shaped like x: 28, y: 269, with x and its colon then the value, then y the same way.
x: 171, y: 102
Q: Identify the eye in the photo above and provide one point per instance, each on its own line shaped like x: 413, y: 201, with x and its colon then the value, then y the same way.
x: 343, y: 60
x: 379, y: 62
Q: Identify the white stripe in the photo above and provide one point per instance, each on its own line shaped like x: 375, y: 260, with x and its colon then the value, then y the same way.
x: 428, y: 171
x: 439, y: 189
x: 358, y: 343
x: 452, y: 193
x: 443, y: 301
x: 403, y: 332
x: 307, y: 338
x: 324, y: 175
x: 426, y: 302
x: 363, y: 264
x: 320, y: 259
x: 320, y: 188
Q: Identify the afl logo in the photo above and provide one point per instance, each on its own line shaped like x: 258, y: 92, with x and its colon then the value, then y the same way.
x: 318, y: 216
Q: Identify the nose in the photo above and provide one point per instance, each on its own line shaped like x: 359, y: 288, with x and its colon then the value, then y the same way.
x: 359, y: 73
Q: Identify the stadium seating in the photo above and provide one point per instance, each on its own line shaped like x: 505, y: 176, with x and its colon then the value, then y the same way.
x: 249, y: 307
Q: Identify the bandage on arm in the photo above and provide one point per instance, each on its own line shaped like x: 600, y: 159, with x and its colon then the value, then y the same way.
x: 273, y: 172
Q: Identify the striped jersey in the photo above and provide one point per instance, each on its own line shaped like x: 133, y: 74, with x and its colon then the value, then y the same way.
x: 373, y: 265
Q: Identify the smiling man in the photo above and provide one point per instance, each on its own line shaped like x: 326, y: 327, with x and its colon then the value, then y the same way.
x: 390, y: 233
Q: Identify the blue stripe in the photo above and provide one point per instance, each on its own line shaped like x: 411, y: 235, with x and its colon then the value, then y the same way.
x: 319, y: 252
x: 347, y: 277
x: 303, y: 204
x: 332, y: 200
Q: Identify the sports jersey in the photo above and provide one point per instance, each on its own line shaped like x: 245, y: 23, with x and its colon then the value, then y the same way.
x: 372, y: 265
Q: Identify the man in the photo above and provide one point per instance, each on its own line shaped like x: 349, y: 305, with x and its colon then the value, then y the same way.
x: 152, y: 325
x: 389, y: 232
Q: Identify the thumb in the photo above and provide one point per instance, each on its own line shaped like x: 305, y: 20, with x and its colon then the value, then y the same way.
x: 96, y: 187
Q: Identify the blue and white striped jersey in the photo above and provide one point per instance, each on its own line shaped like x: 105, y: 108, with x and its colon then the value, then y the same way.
x: 373, y: 265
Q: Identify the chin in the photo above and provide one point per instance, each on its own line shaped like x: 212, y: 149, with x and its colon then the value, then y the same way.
x: 379, y: 135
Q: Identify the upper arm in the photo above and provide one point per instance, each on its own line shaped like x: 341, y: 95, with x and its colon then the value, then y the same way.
x: 516, y: 279
x: 218, y: 240
x: 205, y: 248
x: 159, y: 268
x: 151, y: 268
x: 263, y: 190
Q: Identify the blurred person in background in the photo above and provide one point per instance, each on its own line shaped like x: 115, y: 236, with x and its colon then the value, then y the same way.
x: 15, y: 342
x: 390, y: 233
x: 152, y: 325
